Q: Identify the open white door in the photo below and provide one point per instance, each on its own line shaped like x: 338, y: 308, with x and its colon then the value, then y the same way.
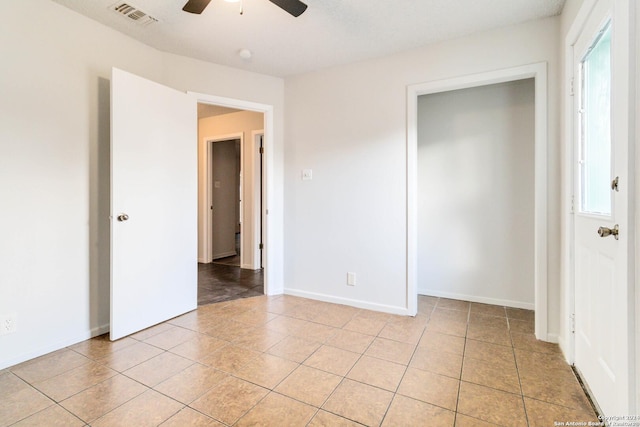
x: 153, y: 203
x: 602, y: 318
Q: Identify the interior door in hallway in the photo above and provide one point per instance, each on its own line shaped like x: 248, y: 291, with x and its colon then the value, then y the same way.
x: 153, y: 203
x: 600, y: 200
x: 225, y: 197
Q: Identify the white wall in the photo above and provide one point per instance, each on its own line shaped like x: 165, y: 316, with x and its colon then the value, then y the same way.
x: 348, y: 124
x: 476, y: 194
x: 54, y: 168
x: 244, y: 122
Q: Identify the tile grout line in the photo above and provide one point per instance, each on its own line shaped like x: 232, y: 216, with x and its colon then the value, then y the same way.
x: 515, y: 359
x: 464, y: 349
x: 406, y: 368
x: 349, y: 371
x: 241, y: 310
x: 273, y: 390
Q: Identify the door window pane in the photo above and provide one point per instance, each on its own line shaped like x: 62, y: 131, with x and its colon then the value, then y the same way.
x: 595, y: 171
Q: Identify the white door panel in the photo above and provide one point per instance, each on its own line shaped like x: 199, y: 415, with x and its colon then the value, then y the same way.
x: 153, y: 182
x: 601, y: 82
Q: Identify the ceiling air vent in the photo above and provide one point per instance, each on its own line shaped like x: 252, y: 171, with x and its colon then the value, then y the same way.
x: 133, y: 13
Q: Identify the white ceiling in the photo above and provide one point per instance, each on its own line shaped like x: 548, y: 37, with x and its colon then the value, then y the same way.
x: 330, y: 32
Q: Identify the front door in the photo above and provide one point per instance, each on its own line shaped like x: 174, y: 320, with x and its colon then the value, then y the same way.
x: 153, y: 203
x: 601, y: 93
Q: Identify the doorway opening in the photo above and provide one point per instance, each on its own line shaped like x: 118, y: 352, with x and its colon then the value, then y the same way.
x: 476, y: 176
x: 537, y: 72
x: 225, y: 193
x: 230, y: 231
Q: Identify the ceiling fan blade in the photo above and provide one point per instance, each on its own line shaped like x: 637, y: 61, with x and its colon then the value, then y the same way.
x: 294, y: 7
x: 196, y: 6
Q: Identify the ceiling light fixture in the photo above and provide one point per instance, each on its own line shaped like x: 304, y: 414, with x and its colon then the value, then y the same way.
x: 237, y: 1
x: 245, y: 53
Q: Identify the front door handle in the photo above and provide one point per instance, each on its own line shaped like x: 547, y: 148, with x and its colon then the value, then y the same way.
x: 604, y: 231
x: 123, y: 217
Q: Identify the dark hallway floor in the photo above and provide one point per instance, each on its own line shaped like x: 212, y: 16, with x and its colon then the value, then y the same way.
x: 217, y: 283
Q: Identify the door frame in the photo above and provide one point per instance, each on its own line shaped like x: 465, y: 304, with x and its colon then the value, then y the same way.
x: 258, y: 213
x: 636, y: 195
x: 208, y: 224
x: 567, y: 341
x: 538, y: 72
x: 271, y: 270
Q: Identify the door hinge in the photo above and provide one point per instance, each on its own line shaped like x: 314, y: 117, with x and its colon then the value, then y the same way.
x: 572, y: 318
x: 261, y: 150
x: 261, y: 246
x: 571, y: 90
x: 573, y: 207
x: 615, y: 183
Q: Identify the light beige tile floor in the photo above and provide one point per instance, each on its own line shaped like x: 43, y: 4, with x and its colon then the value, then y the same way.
x: 287, y: 361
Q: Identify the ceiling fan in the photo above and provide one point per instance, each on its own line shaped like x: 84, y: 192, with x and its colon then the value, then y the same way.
x: 294, y: 7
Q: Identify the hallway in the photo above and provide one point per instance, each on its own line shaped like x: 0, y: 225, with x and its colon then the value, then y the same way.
x: 219, y: 282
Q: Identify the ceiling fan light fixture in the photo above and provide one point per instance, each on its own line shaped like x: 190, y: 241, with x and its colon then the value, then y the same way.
x: 293, y: 7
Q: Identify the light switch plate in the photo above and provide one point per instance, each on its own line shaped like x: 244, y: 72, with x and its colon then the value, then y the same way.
x: 307, y: 174
x: 351, y: 279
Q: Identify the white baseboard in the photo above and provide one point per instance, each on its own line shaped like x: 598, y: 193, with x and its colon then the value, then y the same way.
x: 472, y: 298
x: 274, y: 290
x: 554, y: 338
x: 347, y: 301
x: 249, y: 267
x: 202, y: 261
x: 41, y: 351
x: 563, y: 343
x: 225, y: 254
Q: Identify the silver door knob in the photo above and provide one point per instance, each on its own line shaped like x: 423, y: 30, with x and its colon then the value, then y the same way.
x: 604, y: 231
x: 123, y: 217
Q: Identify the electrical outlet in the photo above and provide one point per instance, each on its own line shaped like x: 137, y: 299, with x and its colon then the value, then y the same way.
x: 7, y: 324
x: 351, y: 279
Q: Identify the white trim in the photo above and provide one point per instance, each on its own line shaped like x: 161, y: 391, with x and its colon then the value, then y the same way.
x: 636, y: 195
x: 537, y: 71
x: 40, y: 351
x: 473, y: 298
x: 273, y: 261
x: 554, y: 338
x: 225, y: 255
x: 347, y: 301
x: 208, y: 223
x: 257, y: 211
x: 566, y: 224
